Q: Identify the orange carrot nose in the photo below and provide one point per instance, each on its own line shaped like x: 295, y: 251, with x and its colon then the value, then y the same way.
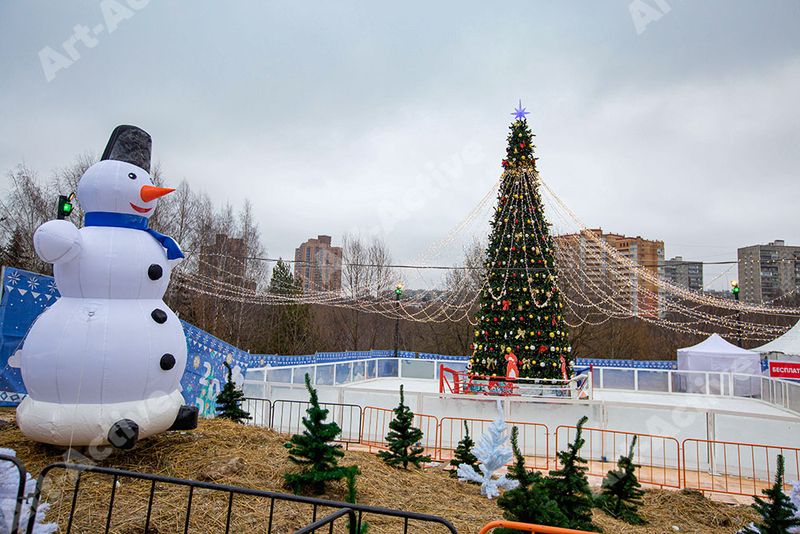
x: 151, y: 192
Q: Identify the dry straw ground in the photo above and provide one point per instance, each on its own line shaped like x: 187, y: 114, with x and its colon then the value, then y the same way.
x: 263, y: 460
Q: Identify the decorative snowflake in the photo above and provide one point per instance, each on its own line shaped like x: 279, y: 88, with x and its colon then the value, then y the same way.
x: 14, y: 278
x: 33, y: 282
x: 51, y: 287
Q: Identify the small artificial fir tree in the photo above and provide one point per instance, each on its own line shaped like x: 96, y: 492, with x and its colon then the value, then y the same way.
x: 520, y: 305
x: 229, y: 400
x: 530, y: 502
x: 403, y: 439
x: 569, y: 486
x: 313, y: 451
x: 622, y: 493
x: 463, y: 453
x: 352, y: 496
x: 778, y: 513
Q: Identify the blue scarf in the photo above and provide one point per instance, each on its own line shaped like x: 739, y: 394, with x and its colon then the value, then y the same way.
x: 136, y: 222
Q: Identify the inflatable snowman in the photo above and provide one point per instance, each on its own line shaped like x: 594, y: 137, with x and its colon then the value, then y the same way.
x: 103, y: 364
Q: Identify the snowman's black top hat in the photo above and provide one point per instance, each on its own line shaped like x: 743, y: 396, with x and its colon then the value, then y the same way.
x: 130, y: 144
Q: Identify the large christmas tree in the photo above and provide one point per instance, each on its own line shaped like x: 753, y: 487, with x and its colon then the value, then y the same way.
x: 521, y: 314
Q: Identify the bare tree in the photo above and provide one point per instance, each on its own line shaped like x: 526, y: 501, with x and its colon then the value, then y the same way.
x: 25, y: 206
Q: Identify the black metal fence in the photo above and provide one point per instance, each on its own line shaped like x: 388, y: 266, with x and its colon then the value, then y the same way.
x: 20, y: 489
x: 92, y: 514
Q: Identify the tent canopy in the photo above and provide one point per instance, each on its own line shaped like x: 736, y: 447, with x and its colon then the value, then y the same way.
x: 716, y: 354
x: 788, y: 343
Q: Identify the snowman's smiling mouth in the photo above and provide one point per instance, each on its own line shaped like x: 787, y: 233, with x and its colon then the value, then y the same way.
x: 140, y: 210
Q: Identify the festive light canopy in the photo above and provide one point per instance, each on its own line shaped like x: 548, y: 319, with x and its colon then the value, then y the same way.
x: 595, y: 282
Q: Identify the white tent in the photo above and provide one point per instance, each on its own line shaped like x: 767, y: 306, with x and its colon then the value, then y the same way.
x: 788, y: 343
x: 717, y: 355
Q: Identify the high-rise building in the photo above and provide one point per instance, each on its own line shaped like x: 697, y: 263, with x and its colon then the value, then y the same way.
x: 682, y: 273
x: 616, y: 278
x: 767, y: 272
x: 318, y: 265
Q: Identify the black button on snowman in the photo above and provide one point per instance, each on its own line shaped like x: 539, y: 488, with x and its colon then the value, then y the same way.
x: 103, y: 364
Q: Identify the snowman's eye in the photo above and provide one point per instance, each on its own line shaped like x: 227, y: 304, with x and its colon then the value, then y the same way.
x: 131, y: 176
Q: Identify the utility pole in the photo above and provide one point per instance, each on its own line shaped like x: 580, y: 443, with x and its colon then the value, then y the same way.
x: 397, y: 292
x: 735, y: 291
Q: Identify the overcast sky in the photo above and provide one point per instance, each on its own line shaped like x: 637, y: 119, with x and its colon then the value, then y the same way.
x: 680, y: 123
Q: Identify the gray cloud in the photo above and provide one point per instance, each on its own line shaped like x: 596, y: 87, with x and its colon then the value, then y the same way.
x: 334, y: 117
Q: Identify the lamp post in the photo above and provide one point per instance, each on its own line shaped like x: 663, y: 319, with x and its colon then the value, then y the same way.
x: 398, y: 290
x: 735, y: 291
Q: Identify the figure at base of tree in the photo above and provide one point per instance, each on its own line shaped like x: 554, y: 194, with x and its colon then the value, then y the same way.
x: 229, y: 400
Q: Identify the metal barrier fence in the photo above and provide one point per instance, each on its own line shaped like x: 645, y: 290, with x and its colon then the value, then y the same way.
x: 708, y: 466
x: 162, y: 494
x: 375, y: 426
x: 260, y: 411
x: 533, y: 438
x: 657, y: 457
x: 20, y: 488
x: 287, y: 417
x: 734, y: 468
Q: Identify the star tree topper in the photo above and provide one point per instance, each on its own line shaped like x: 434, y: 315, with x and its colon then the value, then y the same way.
x: 519, y: 113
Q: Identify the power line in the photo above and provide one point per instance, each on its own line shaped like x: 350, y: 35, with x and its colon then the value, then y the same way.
x: 665, y: 263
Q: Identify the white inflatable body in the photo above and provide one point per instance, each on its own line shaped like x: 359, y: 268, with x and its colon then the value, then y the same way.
x: 109, y: 349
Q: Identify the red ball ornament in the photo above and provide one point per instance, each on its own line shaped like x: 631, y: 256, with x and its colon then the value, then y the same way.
x: 505, y: 163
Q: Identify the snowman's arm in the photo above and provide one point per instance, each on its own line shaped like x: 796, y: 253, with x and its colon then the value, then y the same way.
x: 57, y: 241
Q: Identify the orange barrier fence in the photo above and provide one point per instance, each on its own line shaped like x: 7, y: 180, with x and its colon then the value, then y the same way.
x: 658, y: 457
x: 526, y: 527
x: 375, y: 425
x: 705, y: 465
x: 533, y: 438
x: 734, y: 468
